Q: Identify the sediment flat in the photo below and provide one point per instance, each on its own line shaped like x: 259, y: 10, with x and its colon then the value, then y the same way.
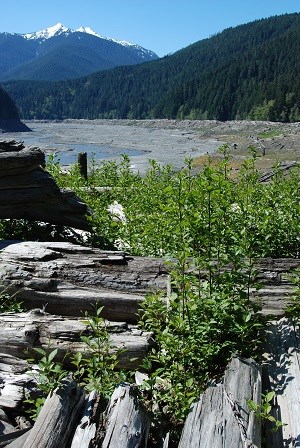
x: 166, y: 141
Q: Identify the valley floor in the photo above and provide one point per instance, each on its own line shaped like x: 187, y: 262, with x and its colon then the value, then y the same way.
x: 167, y: 141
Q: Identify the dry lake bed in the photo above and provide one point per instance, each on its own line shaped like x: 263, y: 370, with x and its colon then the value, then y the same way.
x: 166, y: 141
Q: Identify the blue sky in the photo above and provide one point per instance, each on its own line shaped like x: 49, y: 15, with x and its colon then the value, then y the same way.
x: 163, y: 26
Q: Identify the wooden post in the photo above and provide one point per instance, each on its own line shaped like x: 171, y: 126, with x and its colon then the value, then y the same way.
x: 82, y: 162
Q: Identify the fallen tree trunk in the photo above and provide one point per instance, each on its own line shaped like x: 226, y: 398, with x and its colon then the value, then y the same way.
x: 221, y: 418
x: 27, y: 191
x: 21, y: 333
x: 68, y: 279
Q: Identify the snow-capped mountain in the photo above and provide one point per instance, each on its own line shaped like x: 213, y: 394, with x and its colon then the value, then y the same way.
x: 59, y: 29
x: 47, y: 33
x: 58, y: 52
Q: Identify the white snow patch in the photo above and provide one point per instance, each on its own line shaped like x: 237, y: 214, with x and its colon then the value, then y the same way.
x: 60, y: 29
x: 88, y: 30
x: 47, y: 33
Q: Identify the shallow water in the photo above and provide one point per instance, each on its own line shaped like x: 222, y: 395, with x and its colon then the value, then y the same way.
x: 67, y: 153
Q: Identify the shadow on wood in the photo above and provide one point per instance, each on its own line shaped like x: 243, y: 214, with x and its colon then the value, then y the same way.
x: 27, y: 191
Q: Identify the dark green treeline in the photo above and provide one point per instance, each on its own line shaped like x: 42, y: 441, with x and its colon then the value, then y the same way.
x: 247, y: 72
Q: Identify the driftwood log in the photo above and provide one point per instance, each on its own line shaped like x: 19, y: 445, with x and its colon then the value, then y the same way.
x: 276, y: 287
x: 68, y: 279
x: 221, y: 418
x: 20, y: 333
x: 27, y: 191
x: 15, y: 388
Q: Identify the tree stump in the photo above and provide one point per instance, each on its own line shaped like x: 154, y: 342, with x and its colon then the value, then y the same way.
x: 58, y: 418
x: 282, y: 375
x: 221, y: 418
x: 127, y: 422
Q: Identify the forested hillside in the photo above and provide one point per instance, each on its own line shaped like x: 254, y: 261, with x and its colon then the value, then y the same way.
x: 247, y: 72
x: 9, y: 117
x: 67, y: 55
x: 8, y: 108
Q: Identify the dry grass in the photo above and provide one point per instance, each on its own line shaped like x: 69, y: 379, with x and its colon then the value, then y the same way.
x: 275, y: 143
x: 263, y: 164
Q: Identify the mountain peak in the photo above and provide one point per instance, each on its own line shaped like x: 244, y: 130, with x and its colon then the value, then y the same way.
x: 60, y: 29
x: 88, y: 30
x: 47, y: 33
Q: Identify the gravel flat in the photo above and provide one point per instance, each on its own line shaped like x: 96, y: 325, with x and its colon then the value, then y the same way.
x: 166, y: 141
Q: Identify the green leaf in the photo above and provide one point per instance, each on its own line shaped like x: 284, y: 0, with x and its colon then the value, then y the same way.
x: 248, y: 317
x: 52, y: 355
x: 39, y: 350
x: 269, y: 396
x: 189, y: 382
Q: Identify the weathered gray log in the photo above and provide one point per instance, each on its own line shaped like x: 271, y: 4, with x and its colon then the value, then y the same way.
x: 282, y: 375
x: 8, y: 439
x: 58, y: 418
x: 57, y: 273
x: 283, y: 168
x: 221, y: 418
x: 276, y: 288
x: 15, y: 381
x: 242, y: 382
x: 127, y: 423
x: 6, y: 428
x: 68, y: 278
x: 15, y: 388
x: 19, y: 441
x: 20, y: 333
x: 86, y: 430
x: 27, y: 191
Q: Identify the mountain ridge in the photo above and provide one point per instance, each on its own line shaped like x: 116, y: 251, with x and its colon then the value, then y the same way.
x: 247, y: 72
x: 32, y: 55
x: 59, y: 29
